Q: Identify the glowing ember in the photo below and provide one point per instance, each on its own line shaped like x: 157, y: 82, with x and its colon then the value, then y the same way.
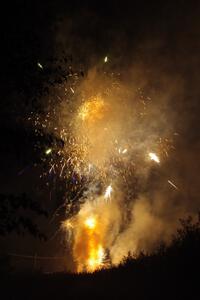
x: 154, y: 157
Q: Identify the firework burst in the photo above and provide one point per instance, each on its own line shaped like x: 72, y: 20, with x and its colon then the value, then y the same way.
x: 98, y: 140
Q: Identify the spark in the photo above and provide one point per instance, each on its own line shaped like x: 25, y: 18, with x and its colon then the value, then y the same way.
x: 172, y: 184
x: 39, y: 65
x: 48, y: 151
x: 124, y: 151
x: 106, y: 59
x: 72, y: 90
x: 52, y: 168
x: 154, y: 157
x: 108, y: 192
x: 62, y: 169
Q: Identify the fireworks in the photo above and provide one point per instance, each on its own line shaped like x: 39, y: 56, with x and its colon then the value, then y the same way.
x: 99, y: 140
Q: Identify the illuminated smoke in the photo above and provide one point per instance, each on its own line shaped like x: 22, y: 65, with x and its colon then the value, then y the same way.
x: 91, y: 239
x: 107, y: 131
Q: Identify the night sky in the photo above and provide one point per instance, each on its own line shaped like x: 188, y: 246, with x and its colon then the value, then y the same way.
x: 153, y: 44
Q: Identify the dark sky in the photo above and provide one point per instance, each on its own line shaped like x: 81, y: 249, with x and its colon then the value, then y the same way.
x: 161, y: 36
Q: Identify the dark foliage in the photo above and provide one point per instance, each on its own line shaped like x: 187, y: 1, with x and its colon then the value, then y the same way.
x: 12, y: 217
x: 169, y: 273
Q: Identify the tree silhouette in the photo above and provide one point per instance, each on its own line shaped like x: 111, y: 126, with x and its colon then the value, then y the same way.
x: 12, y: 215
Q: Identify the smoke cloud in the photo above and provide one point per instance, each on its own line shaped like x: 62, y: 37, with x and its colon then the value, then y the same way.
x: 140, y: 100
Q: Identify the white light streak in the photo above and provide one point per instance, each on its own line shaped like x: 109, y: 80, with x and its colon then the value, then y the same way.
x: 108, y: 192
x: 48, y: 151
x: 172, y: 184
x: 39, y: 65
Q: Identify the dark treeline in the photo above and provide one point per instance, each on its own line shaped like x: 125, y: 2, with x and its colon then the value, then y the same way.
x: 169, y: 273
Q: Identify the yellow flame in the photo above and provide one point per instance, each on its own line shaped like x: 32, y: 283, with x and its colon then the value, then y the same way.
x: 88, y: 248
x: 95, y: 249
x: 95, y: 259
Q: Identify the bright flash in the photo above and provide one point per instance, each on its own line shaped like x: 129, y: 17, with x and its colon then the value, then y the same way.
x: 90, y: 223
x: 154, y: 157
x: 108, y: 192
x: 106, y: 59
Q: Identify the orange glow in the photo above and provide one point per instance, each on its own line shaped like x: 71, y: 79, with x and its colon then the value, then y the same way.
x: 88, y: 250
x: 93, y: 110
x: 95, y: 259
x: 95, y: 253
